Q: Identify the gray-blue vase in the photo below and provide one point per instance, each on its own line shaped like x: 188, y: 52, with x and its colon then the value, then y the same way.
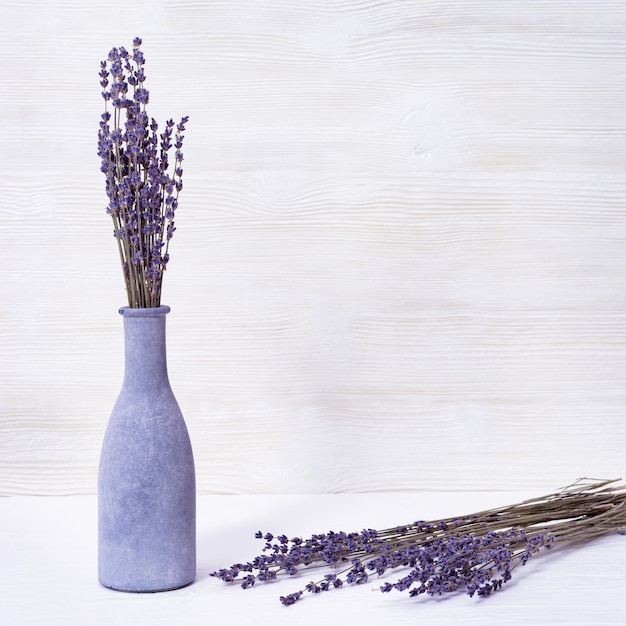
x: 146, y: 482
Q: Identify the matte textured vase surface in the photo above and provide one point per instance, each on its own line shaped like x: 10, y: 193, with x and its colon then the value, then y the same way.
x: 146, y: 484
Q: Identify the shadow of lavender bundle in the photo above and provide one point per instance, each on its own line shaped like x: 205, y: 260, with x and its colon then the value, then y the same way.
x: 474, y: 553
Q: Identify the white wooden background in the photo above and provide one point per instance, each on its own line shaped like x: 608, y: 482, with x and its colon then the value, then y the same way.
x: 400, y: 260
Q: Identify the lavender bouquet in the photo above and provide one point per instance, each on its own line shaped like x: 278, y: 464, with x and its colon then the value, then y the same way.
x: 142, y: 191
x: 475, y: 553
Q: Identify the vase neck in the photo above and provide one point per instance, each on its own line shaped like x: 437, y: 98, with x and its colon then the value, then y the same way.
x: 145, y: 345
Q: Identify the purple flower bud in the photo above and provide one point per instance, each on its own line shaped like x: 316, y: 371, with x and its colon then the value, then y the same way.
x: 142, y: 96
x: 116, y: 68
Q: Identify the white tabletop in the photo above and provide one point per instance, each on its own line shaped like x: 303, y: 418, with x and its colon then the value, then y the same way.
x: 48, y: 556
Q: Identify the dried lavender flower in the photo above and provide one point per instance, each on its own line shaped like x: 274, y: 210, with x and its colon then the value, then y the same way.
x: 474, y: 553
x: 141, y: 187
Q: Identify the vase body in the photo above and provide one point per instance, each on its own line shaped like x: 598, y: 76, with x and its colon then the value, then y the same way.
x: 146, y: 480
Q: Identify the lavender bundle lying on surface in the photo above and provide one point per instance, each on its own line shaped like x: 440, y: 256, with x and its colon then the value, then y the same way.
x: 142, y: 192
x: 473, y: 553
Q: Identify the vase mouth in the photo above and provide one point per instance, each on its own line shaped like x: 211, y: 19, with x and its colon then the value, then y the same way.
x: 158, y: 311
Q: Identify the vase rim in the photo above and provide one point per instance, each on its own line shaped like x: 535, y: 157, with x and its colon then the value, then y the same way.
x: 128, y: 311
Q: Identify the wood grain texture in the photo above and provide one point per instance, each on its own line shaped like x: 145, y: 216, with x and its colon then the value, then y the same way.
x: 400, y: 258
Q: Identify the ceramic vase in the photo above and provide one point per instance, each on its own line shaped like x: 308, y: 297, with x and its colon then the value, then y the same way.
x: 146, y: 481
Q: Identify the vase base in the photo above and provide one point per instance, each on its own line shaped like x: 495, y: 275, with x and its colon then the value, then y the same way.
x: 139, y: 590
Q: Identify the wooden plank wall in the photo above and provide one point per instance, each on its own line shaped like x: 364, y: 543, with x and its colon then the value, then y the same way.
x: 400, y: 252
